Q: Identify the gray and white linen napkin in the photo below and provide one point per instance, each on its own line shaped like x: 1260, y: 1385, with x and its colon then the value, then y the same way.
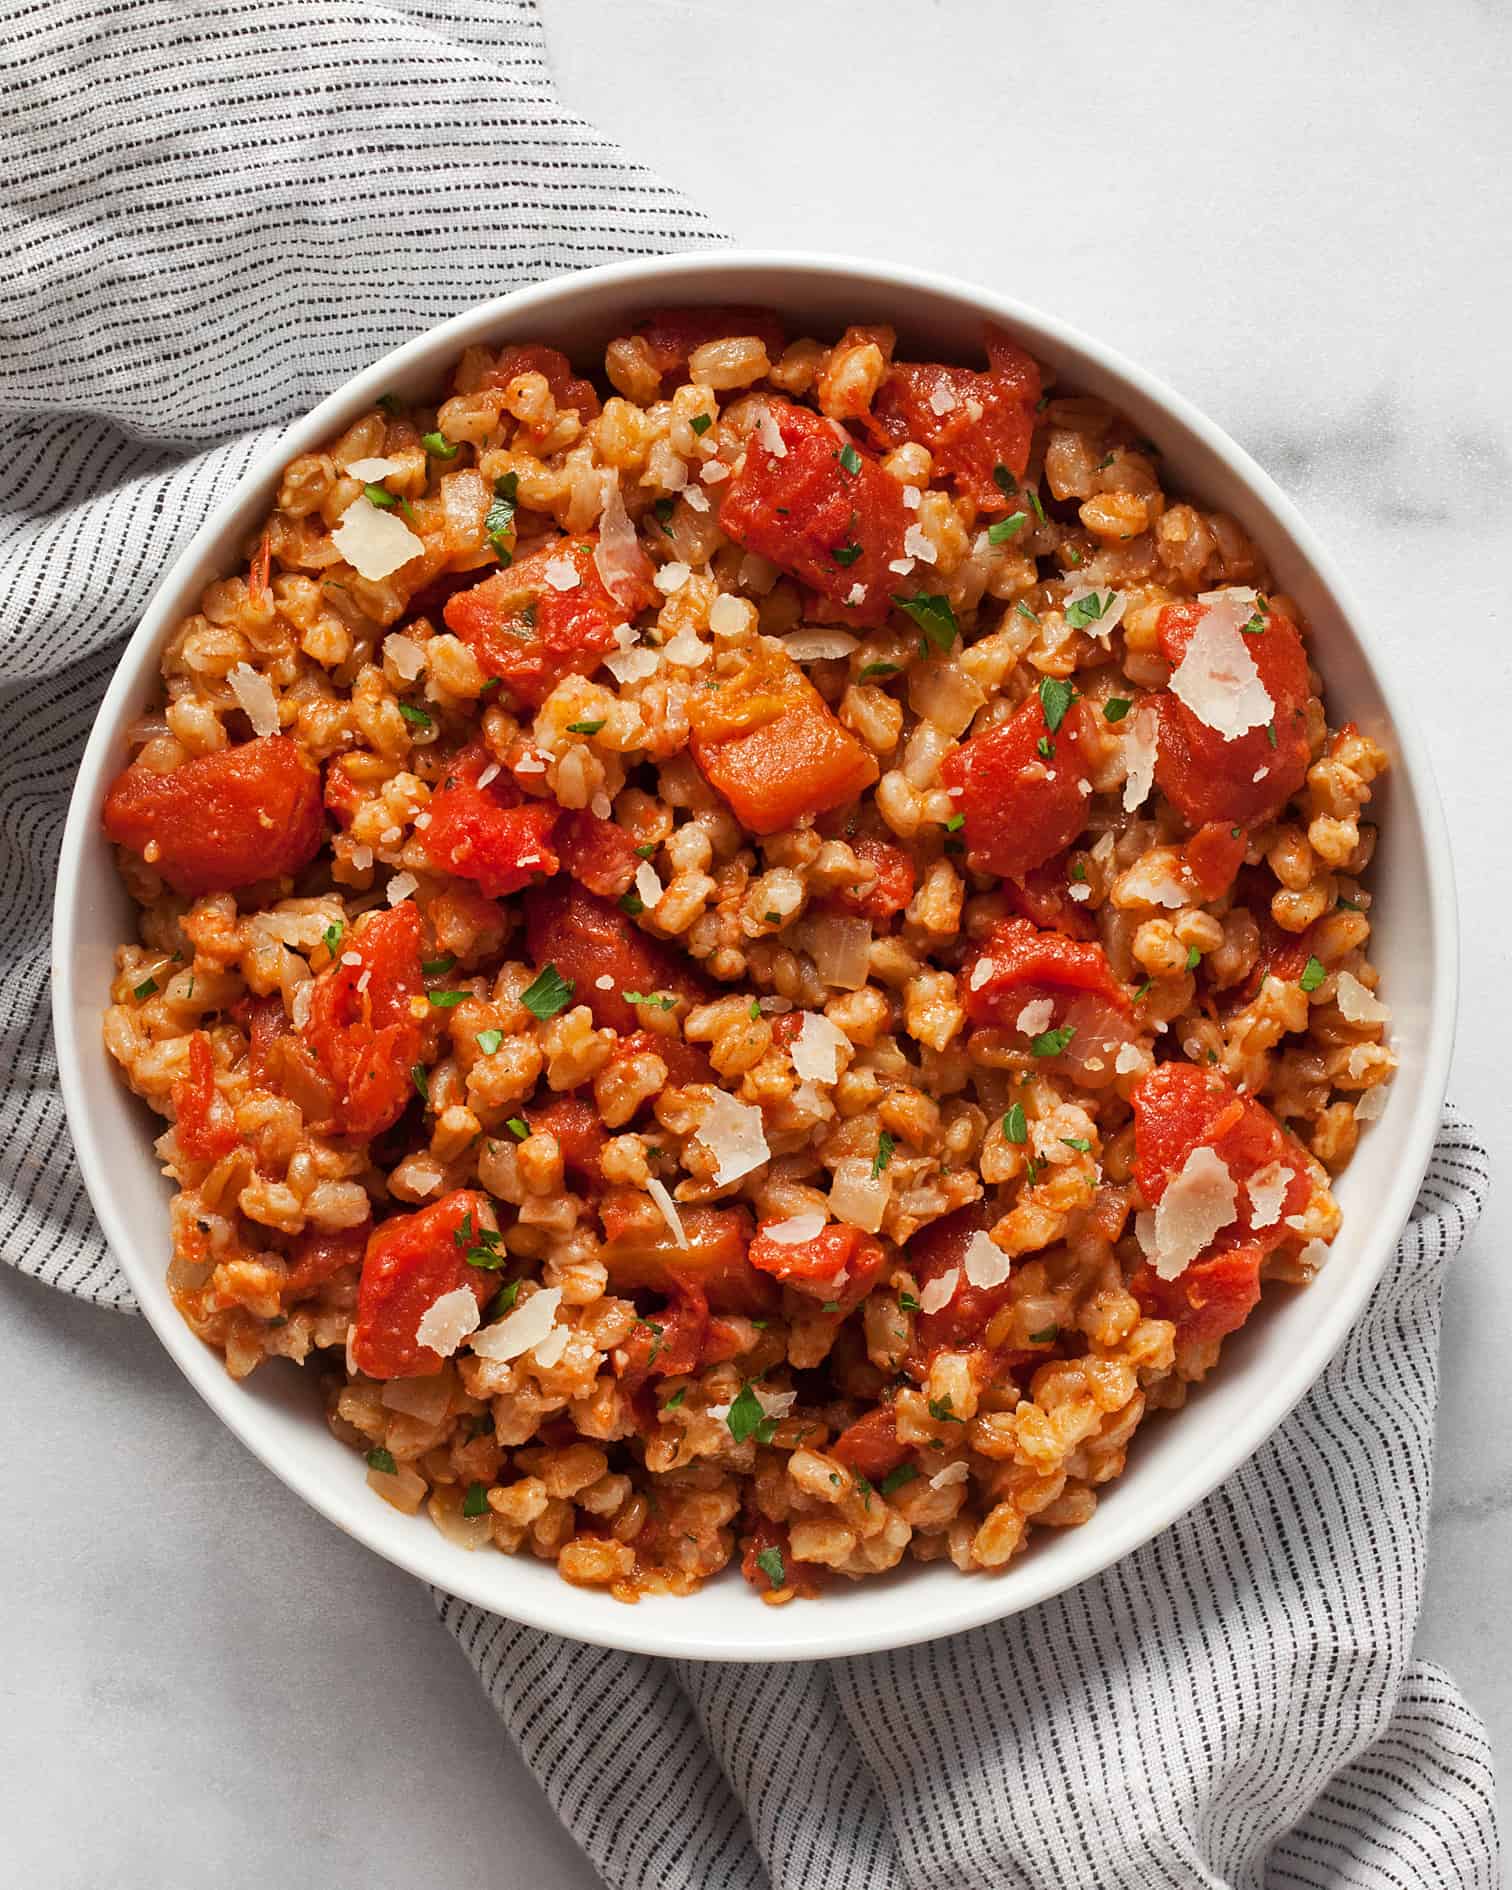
x: 213, y: 213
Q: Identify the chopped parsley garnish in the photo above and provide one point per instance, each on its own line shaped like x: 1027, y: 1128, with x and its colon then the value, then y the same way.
x: 1046, y: 1336
x: 676, y: 1399
x: 648, y: 851
x: 933, y: 615
x: 376, y: 495
x: 663, y: 513
x: 885, y: 1146
x: 773, y: 918
x: 1349, y: 905
x: 632, y: 905
x: 846, y: 554
x: 895, y: 1479
x: 437, y: 967
x: 1079, y: 1143
x: 1255, y: 626
x: 475, y: 1503
x: 1004, y: 481
x: 145, y: 989
x: 420, y: 1077
x: 1105, y: 462
x: 830, y: 1305
x: 447, y: 1000
x: 1116, y: 708
x: 1073, y: 556
x: 1056, y: 696
x: 437, y: 445
x: 417, y: 718
x: 489, y: 1040
x: 1024, y: 611
x: 1045, y: 748
x: 409, y: 511
x: 518, y: 1127
x: 771, y: 1565
x: 955, y: 823
x: 1270, y: 733
x: 586, y: 728
x: 850, y: 460
x: 1089, y: 609
x: 940, y: 1411
x: 1051, y: 1043
x: 1078, y: 872
x: 1034, y: 500
x: 1143, y: 991
x: 1007, y: 528
x: 1031, y: 1168
x: 1015, y: 1125
x: 331, y: 936
x: 745, y: 1418
x: 1313, y: 975
x: 700, y: 423
x: 547, y: 994
x: 658, y: 1000
x: 503, y: 1301
x: 1193, y: 958
x: 907, y: 1303
x: 755, y: 1010
x: 879, y: 669
x: 382, y: 1460
x: 499, y: 522
x: 390, y: 403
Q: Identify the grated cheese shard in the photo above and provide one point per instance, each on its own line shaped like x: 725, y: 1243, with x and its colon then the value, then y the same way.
x: 1139, y: 745
x: 447, y: 1321
x: 985, y: 1262
x: 648, y: 885
x: 810, y: 646
x: 1216, y: 677
x: 400, y: 887
x: 940, y: 1291
x: 374, y: 543
x: 370, y: 471
x: 770, y: 434
x: 917, y: 543
x: 658, y: 1193
x: 407, y: 656
x: 254, y: 695
x: 734, y: 1134
x: 817, y: 1047
x: 956, y: 1472
x: 549, y: 1350
x: 632, y: 666
x: 795, y: 1230
x: 672, y: 577
x: 1357, y: 1004
x: 1035, y: 1017
x: 1199, y: 1202
x: 562, y: 574
x: 1267, y: 1192
x: 516, y: 1333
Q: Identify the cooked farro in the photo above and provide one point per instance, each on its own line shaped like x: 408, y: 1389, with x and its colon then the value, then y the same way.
x: 760, y: 962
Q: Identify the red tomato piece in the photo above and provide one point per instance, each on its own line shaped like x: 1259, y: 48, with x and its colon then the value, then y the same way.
x: 988, y: 423
x: 889, y: 893
x: 840, y: 1263
x: 317, y: 1257
x: 342, y: 794
x: 686, y: 1062
x: 1213, y: 857
x: 523, y: 629
x: 580, y: 1135
x: 1210, y: 1299
x: 596, y: 853
x: 961, y: 1325
x: 361, y: 1027
x: 411, y: 1260
x: 834, y: 529
x: 1206, y: 778
x: 203, y: 1122
x: 567, y: 390
x: 489, y: 835
x: 221, y: 820
x: 870, y: 1446
x: 641, y: 1254
x: 1021, y: 806
x: 1043, y: 896
x: 672, y: 334
x: 766, y: 740
x: 586, y: 938
x: 1025, y: 963
x: 762, y: 1537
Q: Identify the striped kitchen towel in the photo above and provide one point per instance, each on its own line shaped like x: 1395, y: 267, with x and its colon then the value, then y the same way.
x: 213, y: 212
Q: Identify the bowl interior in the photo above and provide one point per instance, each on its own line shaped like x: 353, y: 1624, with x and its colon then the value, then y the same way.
x: 1265, y: 1368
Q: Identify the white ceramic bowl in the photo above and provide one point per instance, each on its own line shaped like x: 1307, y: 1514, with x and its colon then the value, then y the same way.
x: 1265, y: 1369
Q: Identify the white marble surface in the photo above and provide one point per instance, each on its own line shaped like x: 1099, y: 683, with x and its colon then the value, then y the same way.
x: 1298, y: 215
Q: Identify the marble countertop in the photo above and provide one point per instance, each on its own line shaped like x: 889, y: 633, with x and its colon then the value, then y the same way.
x: 1290, y: 213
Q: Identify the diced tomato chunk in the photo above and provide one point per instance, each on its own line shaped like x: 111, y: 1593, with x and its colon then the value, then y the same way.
x: 342, y: 794
x: 1043, y: 895
x: 870, y: 1446
x: 1206, y: 778
x: 1025, y: 962
x: 669, y: 1344
x: 203, y: 1122
x: 672, y: 334
x: 597, y: 853
x: 889, y: 893
x: 962, y: 1324
x: 586, y: 938
x: 835, y: 528
x: 221, y: 820
x: 987, y: 419
x: 361, y: 1027
x: 1213, y: 857
x: 580, y: 1134
x: 1022, y: 806
x: 686, y: 1062
x: 411, y: 1260
x: 763, y: 1537
x: 1211, y: 1298
x: 522, y: 628
x: 641, y: 1253
x: 489, y: 835
x: 839, y: 1263
x: 767, y: 741
x: 318, y: 1256
x: 567, y: 390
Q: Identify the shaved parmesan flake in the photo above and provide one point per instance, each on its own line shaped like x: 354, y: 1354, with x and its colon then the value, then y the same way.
x: 304, y: 996
x: 1259, y: 775
x: 549, y: 1350
x: 407, y: 657
x: 527, y: 764
x: 562, y: 574
x: 515, y: 1334
x: 857, y: 1196
x: 1080, y: 891
x: 795, y: 1230
x: 1139, y: 744
x: 729, y: 616
x: 1370, y: 1107
x: 672, y: 577
x: 1198, y: 1203
x: 770, y: 434
x: 1112, y: 609
x: 817, y: 1047
x: 775, y: 1404
x: 856, y: 594
x: 956, y: 1472
x: 447, y: 1321
x: 1130, y: 1058
x: 714, y: 472
x: 1144, y: 1233
x: 1358, y: 1063
x: 942, y: 399
x: 658, y: 1193
x: 617, y: 557
x: 1217, y: 678
x: 351, y: 958
x: 1035, y: 1017
x: 1267, y: 1192
x: 370, y: 471
x: 985, y: 1262
x: 1314, y: 1254
x: 911, y: 497
x: 901, y: 565
x: 812, y: 646
x: 1153, y: 881
x: 390, y: 837
x: 734, y: 1134
x: 981, y: 971
x: 400, y: 887
x: 1357, y: 1004
x: 699, y: 501
x: 940, y: 1291
x: 1233, y: 593
x: 686, y: 650
x: 254, y: 695
x: 917, y: 543
x: 648, y: 885
x: 374, y: 543
x: 631, y: 666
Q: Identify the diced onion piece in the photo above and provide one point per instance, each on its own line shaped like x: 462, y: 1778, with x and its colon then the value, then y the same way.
x: 1034, y: 1018
x: 424, y: 1398
x: 1216, y: 677
x: 373, y: 542
x: 403, y: 1489
x: 956, y: 1472
x: 254, y: 695
x: 841, y: 949
x: 464, y: 1532
x: 735, y: 1134
x: 1357, y: 1004
x: 1198, y: 1203
x: 940, y: 1291
x: 817, y: 1047
x: 617, y: 557
x: 812, y: 646
x: 370, y: 471
x: 658, y: 1193
x: 857, y: 1196
x: 1267, y: 1192
x: 796, y: 1230
x: 515, y: 1334
x: 1370, y: 1107
x: 1139, y: 745
x: 941, y: 692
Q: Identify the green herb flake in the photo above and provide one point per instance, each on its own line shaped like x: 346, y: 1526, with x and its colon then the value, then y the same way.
x: 1073, y: 556
x: 1313, y: 975
x: 1270, y: 733
x: 1255, y: 626
x: 846, y: 554
x: 658, y: 1000
x: 475, y: 1503
x: 1349, y: 905
x: 1031, y: 1167
x: 417, y: 718
x: 499, y: 522
x: 1144, y: 991
x: 1079, y: 873
x: 773, y: 918
x: 586, y: 728
x: 1079, y: 1143
x: 1090, y: 609
x: 1193, y: 958
x: 1056, y: 697
x: 1106, y: 461
x: 503, y: 1301
x: 1024, y: 611
x: 662, y: 511
x: 420, y: 1077
x: 885, y: 1146
x: 1051, y: 1043
x: 907, y: 1303
x: 700, y: 424
x: 676, y: 1399
x: 1045, y: 748
x: 745, y: 1417
x: 390, y: 403
x: 632, y: 905
x: 1004, y: 481
x: 447, y: 1000
x: 438, y: 967
x: 437, y: 445
x: 489, y: 1040
x: 518, y: 1127
x: 547, y: 994
x: 879, y: 669
x: 145, y: 989
x: 382, y: 1461
x: 755, y: 1010
x: 895, y: 1479
x: 376, y: 495
x: 331, y: 936
x: 830, y: 1305
x: 933, y: 615
x: 1046, y: 1336
x: 409, y: 511
x: 940, y: 1411
x: 771, y: 1565
x: 1007, y: 528
x: 850, y: 460
x: 1034, y: 501
x: 1015, y: 1124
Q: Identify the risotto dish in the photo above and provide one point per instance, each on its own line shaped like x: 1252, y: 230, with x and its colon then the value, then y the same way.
x: 751, y: 950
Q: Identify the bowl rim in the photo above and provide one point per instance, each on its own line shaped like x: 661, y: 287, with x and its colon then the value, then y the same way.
x: 654, y: 1630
